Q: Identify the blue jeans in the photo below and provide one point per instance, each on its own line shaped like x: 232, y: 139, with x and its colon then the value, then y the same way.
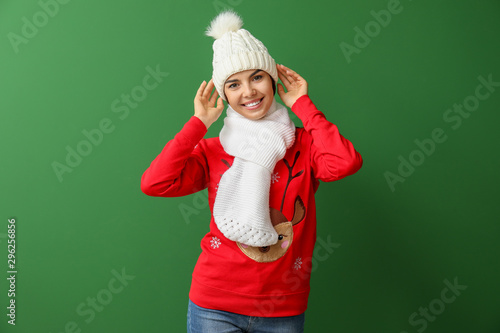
x: 201, y: 320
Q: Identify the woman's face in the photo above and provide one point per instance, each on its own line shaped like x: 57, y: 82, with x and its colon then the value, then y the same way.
x: 246, y: 88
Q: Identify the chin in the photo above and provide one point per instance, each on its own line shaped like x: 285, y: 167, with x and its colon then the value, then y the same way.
x: 257, y: 116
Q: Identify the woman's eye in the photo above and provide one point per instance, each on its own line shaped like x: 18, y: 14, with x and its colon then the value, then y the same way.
x: 233, y: 85
x: 257, y: 77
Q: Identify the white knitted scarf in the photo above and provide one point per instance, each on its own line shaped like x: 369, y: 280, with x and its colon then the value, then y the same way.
x: 241, y: 207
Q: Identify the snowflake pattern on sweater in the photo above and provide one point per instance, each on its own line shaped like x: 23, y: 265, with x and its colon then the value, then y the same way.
x: 275, y: 177
x: 215, y: 243
x: 298, y: 264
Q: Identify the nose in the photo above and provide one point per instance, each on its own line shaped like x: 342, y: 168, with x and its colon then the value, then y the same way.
x: 264, y: 249
x: 249, y: 91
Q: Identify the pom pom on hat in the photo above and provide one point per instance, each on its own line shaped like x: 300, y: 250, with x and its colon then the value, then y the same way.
x: 236, y: 50
x: 224, y: 22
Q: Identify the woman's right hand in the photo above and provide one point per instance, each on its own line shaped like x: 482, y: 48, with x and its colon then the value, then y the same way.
x: 204, y: 104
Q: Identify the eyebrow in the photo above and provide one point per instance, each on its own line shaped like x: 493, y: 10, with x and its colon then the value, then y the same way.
x: 259, y: 70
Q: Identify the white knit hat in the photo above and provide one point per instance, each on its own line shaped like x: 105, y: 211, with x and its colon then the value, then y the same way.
x: 236, y: 50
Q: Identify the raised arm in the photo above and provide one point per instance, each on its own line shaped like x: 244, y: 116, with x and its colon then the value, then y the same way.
x: 180, y: 169
x: 333, y: 157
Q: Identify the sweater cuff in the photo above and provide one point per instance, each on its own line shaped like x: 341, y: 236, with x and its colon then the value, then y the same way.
x: 194, y: 130
x: 303, y: 107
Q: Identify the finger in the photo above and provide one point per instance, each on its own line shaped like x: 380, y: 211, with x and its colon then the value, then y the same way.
x: 290, y: 76
x: 220, y: 104
x: 297, y: 77
x: 284, y: 79
x: 282, y: 72
x: 286, y: 69
x: 290, y: 80
x: 282, y: 93
x: 208, y: 89
x: 291, y: 73
x: 286, y: 83
x: 200, y: 89
x: 213, y: 98
x: 281, y: 90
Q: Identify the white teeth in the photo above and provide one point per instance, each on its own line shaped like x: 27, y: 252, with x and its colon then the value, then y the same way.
x: 253, y: 104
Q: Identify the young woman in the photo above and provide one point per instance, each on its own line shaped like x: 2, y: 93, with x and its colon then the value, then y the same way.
x: 261, y: 173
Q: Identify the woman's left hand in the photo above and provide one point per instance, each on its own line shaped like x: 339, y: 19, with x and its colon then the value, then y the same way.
x: 295, y: 85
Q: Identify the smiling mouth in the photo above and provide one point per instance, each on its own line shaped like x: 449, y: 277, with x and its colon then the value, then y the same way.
x: 254, y: 104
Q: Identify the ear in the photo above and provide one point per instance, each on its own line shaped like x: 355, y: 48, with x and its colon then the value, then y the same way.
x: 277, y: 217
x: 299, y: 212
x: 274, y: 84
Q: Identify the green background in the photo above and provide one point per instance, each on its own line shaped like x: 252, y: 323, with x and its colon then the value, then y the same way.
x: 397, y: 246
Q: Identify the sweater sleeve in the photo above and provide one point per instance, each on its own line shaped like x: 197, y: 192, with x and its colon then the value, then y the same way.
x: 333, y: 157
x: 181, y: 167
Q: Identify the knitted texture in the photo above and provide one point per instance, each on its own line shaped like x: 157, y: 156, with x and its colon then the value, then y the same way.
x: 236, y: 50
x: 241, y: 207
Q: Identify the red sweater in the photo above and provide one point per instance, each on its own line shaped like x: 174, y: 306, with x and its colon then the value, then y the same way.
x: 272, y: 281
